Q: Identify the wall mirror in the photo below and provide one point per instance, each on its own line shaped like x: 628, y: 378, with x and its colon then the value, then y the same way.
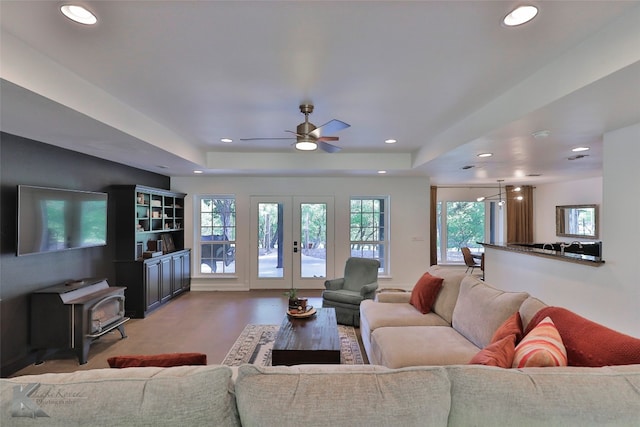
x: 577, y: 221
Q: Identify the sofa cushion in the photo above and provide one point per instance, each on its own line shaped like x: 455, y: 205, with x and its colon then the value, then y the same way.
x: 541, y: 347
x: 499, y: 353
x: 397, y: 347
x: 281, y: 396
x: 481, y: 309
x: 528, y: 309
x: 489, y: 396
x: 179, y: 396
x: 448, y: 295
x: 161, y: 360
x: 589, y: 343
x: 425, y: 291
x: 381, y: 314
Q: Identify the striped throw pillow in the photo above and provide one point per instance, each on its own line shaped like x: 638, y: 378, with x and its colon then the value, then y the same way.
x: 541, y: 347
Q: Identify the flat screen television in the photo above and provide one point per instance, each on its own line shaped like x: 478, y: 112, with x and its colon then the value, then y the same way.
x: 53, y: 219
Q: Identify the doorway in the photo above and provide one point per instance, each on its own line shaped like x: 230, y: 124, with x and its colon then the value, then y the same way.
x: 291, y: 241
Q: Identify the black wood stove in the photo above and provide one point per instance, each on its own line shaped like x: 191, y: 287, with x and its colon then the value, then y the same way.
x: 74, y: 314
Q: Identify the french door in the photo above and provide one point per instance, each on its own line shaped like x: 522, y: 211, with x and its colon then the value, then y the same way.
x: 291, y: 241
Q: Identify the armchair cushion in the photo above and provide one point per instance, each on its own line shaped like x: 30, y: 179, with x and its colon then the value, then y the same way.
x: 343, y: 296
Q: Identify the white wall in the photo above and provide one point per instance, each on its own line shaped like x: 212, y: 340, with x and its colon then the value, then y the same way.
x: 548, y: 196
x: 609, y: 294
x: 409, y: 216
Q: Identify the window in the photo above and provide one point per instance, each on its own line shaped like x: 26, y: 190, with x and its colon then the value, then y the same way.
x: 369, y: 237
x: 217, y: 237
x: 459, y: 224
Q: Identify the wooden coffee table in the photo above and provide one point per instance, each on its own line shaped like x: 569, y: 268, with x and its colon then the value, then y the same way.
x: 311, y: 340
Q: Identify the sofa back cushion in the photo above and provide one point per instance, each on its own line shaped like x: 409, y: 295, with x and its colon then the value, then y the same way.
x: 296, y: 396
x: 481, y: 309
x: 151, y: 396
x: 528, y: 309
x: 446, y: 299
x: 488, y: 396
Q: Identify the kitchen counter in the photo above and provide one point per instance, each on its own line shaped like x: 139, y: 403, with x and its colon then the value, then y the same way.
x: 530, y: 249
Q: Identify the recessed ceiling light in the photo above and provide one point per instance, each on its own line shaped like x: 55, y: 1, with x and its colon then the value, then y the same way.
x: 78, y: 14
x: 578, y: 149
x: 226, y: 140
x: 485, y: 154
x: 382, y: 172
x: 390, y: 141
x: 197, y: 171
x: 541, y: 134
x: 520, y: 15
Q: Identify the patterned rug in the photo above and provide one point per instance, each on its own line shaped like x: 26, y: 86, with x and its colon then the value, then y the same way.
x: 256, y: 341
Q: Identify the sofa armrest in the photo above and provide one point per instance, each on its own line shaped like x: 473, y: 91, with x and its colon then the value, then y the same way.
x: 394, y: 297
x: 334, y: 284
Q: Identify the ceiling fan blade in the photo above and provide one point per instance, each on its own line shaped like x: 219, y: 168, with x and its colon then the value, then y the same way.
x: 329, y: 128
x: 264, y: 139
x: 328, y: 138
x: 328, y: 147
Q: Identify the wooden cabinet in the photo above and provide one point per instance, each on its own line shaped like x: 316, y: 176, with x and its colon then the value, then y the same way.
x: 149, y: 220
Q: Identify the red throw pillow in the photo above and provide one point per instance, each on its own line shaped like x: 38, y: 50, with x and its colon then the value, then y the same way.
x: 511, y: 326
x: 499, y: 353
x: 159, y: 360
x: 425, y: 292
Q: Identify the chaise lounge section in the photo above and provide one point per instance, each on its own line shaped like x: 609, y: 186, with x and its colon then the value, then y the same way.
x: 464, y: 319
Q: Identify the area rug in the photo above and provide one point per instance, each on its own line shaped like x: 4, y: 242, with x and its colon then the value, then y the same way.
x: 256, y: 341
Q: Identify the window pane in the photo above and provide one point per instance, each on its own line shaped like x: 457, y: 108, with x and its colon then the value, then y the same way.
x: 313, y: 232
x: 465, y: 226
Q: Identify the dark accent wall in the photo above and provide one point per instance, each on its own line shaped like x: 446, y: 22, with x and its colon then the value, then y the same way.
x: 24, y: 161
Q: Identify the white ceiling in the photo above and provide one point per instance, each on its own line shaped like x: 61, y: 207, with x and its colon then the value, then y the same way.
x: 156, y: 85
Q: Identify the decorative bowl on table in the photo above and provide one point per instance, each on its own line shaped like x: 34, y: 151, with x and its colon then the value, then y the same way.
x: 300, y: 314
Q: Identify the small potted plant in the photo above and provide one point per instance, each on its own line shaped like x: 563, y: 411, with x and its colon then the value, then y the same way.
x: 293, y: 297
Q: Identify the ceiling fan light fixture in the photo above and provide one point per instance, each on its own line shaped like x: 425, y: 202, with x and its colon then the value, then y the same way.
x: 78, y: 14
x: 520, y: 15
x: 306, y: 145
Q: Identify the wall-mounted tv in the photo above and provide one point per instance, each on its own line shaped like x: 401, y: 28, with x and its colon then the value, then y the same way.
x: 53, y: 219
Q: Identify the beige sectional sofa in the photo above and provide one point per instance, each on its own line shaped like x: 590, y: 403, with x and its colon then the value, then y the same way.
x: 463, y: 319
x: 322, y: 395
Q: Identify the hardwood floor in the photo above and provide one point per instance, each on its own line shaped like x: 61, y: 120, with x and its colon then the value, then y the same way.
x: 205, y: 322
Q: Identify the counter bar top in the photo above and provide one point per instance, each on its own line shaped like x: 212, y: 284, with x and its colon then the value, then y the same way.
x: 546, y: 253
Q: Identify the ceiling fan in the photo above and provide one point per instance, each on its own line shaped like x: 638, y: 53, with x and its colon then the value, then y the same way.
x: 308, y: 136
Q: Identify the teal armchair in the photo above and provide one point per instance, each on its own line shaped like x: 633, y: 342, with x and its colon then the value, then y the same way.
x: 345, y: 294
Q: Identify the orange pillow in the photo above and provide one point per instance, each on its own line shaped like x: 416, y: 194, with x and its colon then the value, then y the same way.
x: 541, y: 347
x: 499, y: 353
x: 425, y: 292
x: 159, y: 360
x: 511, y: 326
